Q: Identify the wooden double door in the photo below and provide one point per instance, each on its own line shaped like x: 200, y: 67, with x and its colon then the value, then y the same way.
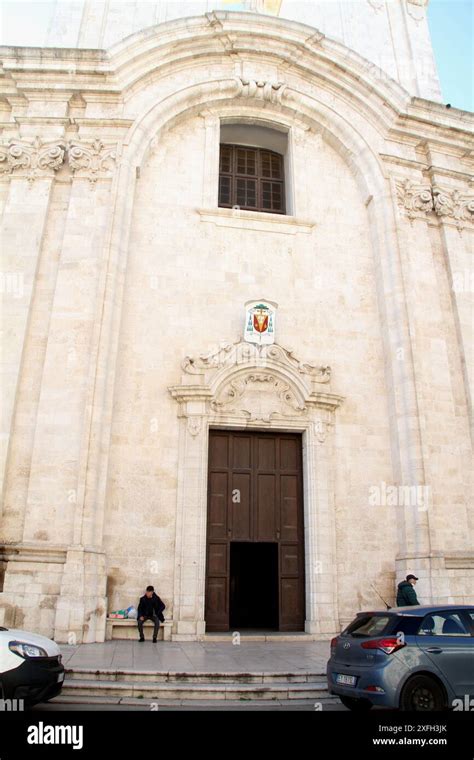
x: 255, y: 537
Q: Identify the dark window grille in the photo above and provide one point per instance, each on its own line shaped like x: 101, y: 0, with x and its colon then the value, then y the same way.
x: 251, y: 178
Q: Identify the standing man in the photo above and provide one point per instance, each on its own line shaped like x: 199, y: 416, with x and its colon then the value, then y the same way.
x: 150, y: 607
x: 406, y: 594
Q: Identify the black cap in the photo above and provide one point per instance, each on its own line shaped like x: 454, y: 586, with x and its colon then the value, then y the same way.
x: 409, y: 577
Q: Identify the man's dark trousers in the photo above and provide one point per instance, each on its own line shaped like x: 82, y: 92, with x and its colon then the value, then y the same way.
x: 156, y: 621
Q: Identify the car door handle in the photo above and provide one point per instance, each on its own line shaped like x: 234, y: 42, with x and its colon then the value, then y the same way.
x: 434, y: 650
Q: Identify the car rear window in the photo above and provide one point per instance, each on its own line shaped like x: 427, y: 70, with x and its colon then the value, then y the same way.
x: 408, y: 624
x: 368, y: 625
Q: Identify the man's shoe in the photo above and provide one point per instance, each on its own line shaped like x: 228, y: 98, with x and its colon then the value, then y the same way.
x: 142, y: 639
x: 154, y: 641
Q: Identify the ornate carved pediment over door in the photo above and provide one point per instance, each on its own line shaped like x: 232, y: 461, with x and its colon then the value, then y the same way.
x: 244, y: 383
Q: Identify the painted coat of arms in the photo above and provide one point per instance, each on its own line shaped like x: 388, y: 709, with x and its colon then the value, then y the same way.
x: 260, y: 322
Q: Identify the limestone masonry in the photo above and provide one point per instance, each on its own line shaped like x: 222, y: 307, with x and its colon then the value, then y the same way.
x: 124, y: 285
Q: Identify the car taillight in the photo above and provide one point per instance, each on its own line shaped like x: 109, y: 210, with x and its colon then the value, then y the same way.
x: 387, y: 645
x: 334, y: 642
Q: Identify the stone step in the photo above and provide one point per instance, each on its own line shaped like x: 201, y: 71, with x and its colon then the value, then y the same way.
x: 272, y: 637
x: 214, y: 704
x: 194, y: 690
x: 164, y: 676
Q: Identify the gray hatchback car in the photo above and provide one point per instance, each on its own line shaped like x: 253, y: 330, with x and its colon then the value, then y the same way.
x: 412, y: 658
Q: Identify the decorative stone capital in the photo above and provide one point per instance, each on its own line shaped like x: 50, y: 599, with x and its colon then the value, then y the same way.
x: 32, y: 159
x: 454, y: 205
x: 272, y: 92
x: 321, y: 428
x: 92, y: 160
x: 419, y: 200
x: 194, y: 425
x: 414, y: 198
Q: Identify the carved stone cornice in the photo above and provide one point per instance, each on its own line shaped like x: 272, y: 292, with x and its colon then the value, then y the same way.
x: 416, y: 199
x: 459, y: 560
x: 25, y: 551
x: 272, y: 92
x: 92, y: 160
x: 32, y: 159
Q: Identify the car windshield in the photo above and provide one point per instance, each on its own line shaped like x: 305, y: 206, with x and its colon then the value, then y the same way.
x: 368, y: 625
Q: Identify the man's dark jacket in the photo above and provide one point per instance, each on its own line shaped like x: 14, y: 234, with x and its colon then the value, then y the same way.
x: 406, y: 595
x: 147, y: 607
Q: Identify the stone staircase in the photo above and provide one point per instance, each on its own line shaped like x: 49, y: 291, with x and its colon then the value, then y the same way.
x: 126, y: 686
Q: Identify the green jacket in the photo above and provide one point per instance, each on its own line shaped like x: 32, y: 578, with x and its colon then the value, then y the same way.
x: 406, y: 595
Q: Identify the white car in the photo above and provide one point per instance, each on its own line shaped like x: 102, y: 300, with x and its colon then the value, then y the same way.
x: 30, y: 667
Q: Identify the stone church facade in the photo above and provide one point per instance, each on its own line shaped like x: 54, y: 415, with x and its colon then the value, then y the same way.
x: 124, y: 281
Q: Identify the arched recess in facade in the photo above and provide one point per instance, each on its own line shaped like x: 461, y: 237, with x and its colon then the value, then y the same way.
x: 350, y: 108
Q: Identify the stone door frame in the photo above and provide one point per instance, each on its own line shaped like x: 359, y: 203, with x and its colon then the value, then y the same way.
x: 242, y: 387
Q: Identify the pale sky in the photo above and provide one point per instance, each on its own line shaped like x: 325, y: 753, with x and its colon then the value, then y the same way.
x: 452, y: 31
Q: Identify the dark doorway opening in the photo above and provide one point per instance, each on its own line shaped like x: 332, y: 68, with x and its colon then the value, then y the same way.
x: 253, y: 589
x: 263, y: 530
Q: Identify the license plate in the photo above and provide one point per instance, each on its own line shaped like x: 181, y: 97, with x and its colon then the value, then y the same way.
x: 346, y: 680
x: 60, y: 677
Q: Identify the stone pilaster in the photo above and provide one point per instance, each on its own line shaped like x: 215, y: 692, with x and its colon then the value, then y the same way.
x: 190, y: 562
x: 29, y: 167
x: 81, y: 608
x: 55, y: 508
x: 322, y: 615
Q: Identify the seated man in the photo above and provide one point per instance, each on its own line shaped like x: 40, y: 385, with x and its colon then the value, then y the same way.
x: 150, y: 607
